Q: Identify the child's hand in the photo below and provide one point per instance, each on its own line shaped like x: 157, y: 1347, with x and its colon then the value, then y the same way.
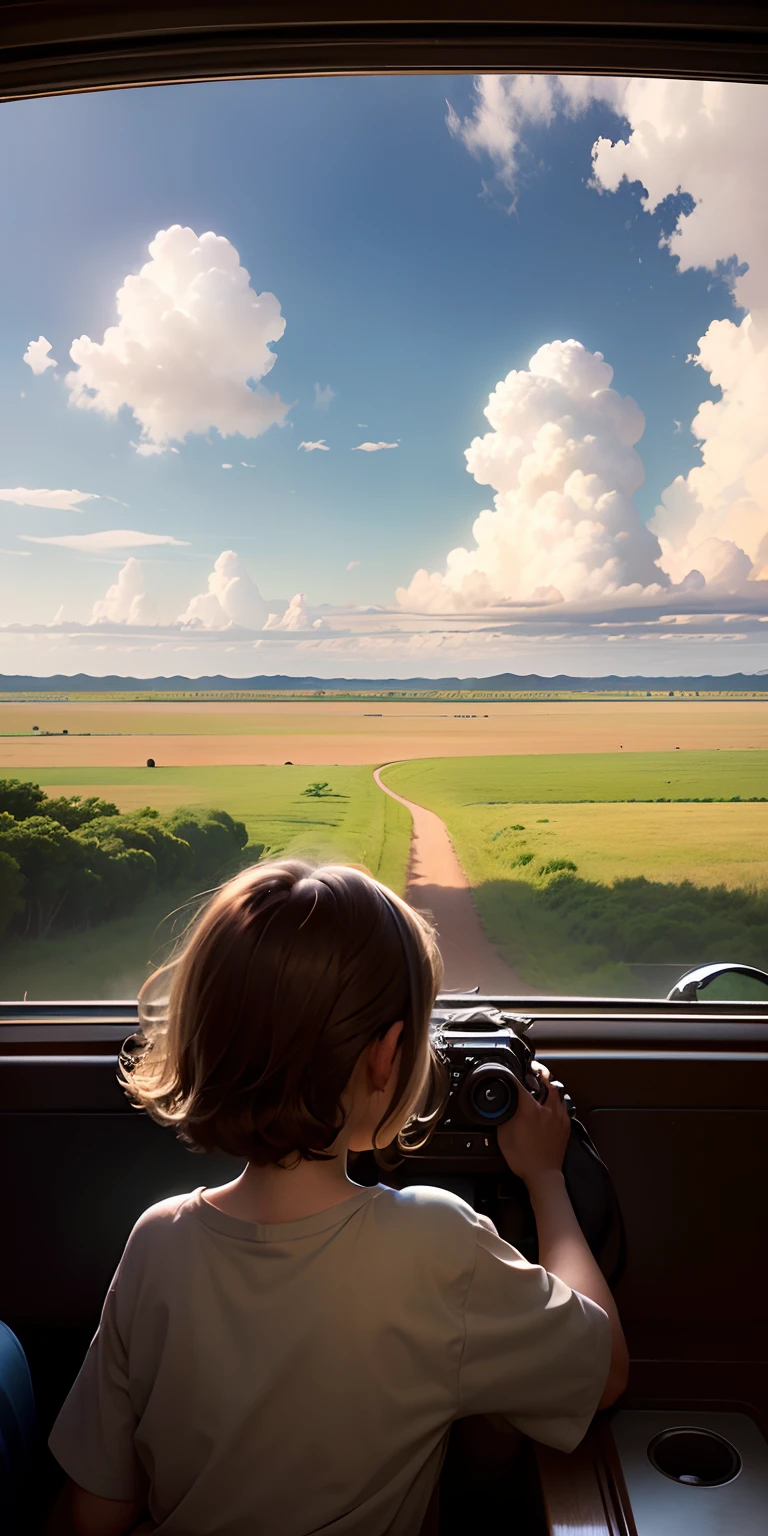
x: 533, y: 1142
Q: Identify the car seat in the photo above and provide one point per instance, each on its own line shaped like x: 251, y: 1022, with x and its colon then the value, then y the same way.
x: 17, y: 1429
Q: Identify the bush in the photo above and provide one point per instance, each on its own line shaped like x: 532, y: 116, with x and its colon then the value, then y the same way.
x: 556, y: 866
x: 643, y: 921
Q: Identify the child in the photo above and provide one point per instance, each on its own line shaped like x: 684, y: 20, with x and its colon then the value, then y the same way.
x: 285, y: 1354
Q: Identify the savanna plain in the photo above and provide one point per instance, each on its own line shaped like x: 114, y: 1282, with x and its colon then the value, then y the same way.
x: 608, y: 844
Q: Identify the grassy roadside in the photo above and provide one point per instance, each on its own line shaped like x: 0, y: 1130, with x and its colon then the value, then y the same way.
x: 108, y: 962
x: 578, y: 887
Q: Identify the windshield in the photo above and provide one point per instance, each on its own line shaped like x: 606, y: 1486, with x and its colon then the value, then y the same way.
x: 386, y: 479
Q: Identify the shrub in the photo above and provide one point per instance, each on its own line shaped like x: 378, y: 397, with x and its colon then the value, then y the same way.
x: 640, y: 920
x: 556, y: 866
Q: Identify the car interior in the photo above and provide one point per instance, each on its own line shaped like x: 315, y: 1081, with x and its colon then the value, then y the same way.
x: 673, y: 1092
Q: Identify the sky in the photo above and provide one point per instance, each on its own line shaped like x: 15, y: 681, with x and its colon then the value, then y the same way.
x: 385, y: 377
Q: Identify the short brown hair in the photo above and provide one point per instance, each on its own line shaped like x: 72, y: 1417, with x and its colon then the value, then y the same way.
x: 286, y: 975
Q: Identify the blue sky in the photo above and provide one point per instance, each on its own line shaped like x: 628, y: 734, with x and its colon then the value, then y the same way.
x: 406, y: 286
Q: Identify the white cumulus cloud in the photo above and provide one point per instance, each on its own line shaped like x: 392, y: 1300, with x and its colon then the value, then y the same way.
x: 504, y: 106
x: 192, y: 339
x: 37, y: 357
x: 297, y: 616
x: 562, y: 462
x: 706, y: 139
x: 55, y: 501
x: 126, y: 601
x: 231, y: 597
x: 373, y: 447
x: 320, y: 445
x: 110, y: 538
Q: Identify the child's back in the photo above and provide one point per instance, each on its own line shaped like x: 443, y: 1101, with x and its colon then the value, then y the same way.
x: 290, y: 1376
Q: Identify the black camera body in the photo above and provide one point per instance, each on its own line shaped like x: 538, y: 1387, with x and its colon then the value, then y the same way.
x: 487, y: 1060
x: 488, y: 1064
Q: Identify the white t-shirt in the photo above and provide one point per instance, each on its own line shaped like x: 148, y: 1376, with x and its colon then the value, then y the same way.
x: 283, y: 1380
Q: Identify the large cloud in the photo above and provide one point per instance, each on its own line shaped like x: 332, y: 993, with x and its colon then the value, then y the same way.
x: 706, y: 139
x: 191, y: 339
x: 231, y: 598
x: 126, y: 601
x: 562, y: 462
x: 55, y: 501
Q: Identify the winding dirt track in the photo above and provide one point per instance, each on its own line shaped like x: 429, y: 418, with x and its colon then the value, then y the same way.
x: 437, y: 885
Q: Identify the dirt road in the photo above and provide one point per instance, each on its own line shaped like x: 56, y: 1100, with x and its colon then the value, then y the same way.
x: 437, y: 884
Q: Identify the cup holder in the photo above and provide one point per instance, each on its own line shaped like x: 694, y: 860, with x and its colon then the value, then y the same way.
x: 694, y: 1456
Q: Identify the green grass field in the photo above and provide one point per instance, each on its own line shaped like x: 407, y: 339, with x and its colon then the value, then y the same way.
x: 547, y: 843
x: 359, y: 825
x: 584, y: 867
x: 582, y: 776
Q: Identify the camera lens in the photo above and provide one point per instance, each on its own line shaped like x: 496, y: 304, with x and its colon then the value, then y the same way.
x: 491, y: 1098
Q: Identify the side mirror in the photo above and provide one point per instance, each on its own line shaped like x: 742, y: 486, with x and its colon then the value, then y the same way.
x: 686, y: 990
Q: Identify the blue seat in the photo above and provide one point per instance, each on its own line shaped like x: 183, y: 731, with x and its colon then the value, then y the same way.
x: 17, y: 1427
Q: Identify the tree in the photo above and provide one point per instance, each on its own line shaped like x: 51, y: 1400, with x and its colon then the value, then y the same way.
x: 171, y: 854
x: 126, y: 875
x: 11, y: 887
x: 68, y: 863
x: 215, y: 843
x: 73, y: 812
x: 49, y: 857
x: 20, y: 799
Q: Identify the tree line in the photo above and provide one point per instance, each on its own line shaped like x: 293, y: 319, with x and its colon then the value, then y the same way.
x: 69, y: 862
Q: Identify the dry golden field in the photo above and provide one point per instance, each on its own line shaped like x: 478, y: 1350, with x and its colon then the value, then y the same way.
x: 348, y: 733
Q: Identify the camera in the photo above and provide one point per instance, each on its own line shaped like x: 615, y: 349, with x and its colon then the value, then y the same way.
x: 487, y: 1061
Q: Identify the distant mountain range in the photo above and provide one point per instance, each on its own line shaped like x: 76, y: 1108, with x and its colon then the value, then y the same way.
x: 503, y: 682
